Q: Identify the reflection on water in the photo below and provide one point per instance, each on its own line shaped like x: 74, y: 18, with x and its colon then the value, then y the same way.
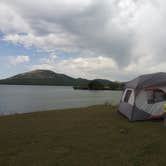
x: 19, y: 99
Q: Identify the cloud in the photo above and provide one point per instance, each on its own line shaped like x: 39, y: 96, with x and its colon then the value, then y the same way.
x: 122, y: 38
x: 84, y: 25
x: 16, y: 60
x: 48, y: 43
x: 11, y: 21
x: 86, y: 67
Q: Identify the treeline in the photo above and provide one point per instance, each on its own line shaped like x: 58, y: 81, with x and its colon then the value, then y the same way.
x: 101, y: 85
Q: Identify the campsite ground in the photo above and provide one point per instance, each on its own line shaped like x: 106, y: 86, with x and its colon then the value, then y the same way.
x: 93, y: 136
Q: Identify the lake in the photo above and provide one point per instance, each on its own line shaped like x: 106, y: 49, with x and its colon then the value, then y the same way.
x: 21, y: 99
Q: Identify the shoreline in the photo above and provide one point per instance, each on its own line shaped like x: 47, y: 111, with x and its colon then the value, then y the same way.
x: 62, y: 109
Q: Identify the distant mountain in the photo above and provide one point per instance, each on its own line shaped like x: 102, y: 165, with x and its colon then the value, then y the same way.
x: 47, y: 77
x: 43, y: 77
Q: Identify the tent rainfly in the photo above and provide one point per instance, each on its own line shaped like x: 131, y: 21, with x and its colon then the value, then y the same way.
x: 144, y: 97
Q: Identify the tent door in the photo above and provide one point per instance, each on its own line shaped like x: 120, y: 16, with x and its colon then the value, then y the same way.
x: 128, y: 96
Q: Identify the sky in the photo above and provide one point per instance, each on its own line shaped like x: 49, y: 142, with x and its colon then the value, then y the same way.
x: 109, y: 39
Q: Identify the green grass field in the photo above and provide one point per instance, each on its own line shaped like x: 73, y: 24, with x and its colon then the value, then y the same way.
x: 93, y: 136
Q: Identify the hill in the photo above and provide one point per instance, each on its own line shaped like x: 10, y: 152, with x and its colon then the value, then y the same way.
x: 43, y: 77
x: 93, y: 136
x: 47, y: 77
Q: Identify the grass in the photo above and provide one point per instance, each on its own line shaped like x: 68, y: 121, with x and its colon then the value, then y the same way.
x: 93, y: 136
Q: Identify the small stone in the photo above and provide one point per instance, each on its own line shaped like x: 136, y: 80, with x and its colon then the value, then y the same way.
x: 123, y: 131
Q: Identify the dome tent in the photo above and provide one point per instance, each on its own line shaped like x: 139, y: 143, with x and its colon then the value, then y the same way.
x: 143, y: 97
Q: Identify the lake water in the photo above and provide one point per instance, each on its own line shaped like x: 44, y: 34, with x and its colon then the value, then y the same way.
x: 21, y: 99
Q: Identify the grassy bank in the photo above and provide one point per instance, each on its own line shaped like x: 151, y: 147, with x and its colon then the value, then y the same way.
x: 93, y: 136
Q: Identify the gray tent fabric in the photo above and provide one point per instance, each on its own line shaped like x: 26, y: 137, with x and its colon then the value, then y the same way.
x: 132, y: 112
x: 126, y: 109
x: 147, y: 80
x: 139, y: 114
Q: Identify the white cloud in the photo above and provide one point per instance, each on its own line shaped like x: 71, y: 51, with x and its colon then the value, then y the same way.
x: 86, y: 67
x: 49, y: 60
x: 46, y: 43
x: 16, y: 60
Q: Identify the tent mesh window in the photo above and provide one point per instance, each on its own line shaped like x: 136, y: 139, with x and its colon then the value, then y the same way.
x: 127, y: 96
x: 155, y: 96
x: 159, y: 96
x: 150, y: 97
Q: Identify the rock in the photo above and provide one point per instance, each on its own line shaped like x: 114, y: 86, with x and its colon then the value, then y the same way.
x: 123, y: 131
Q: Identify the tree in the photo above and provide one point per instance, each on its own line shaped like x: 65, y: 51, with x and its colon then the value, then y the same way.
x: 116, y: 86
x: 95, y: 85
